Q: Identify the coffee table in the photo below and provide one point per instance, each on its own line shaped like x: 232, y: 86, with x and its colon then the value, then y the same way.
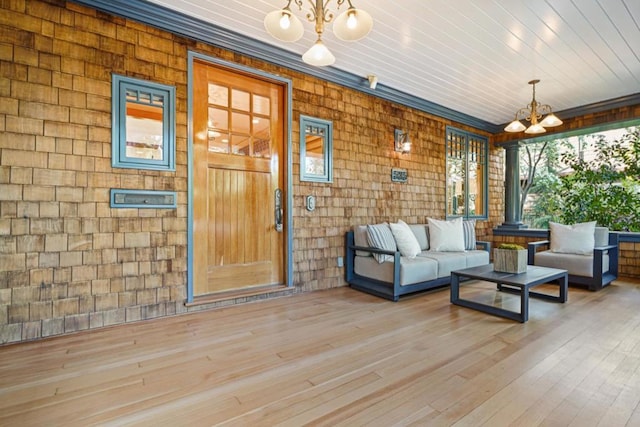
x: 509, y: 282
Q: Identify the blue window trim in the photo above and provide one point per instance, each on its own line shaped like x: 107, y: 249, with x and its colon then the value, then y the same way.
x: 485, y: 178
x: 145, y: 204
x: 327, y: 126
x: 119, y: 159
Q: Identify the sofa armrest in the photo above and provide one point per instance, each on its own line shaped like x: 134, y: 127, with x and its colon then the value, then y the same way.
x: 372, y: 250
x: 533, y: 247
x: 485, y: 246
x: 598, y: 254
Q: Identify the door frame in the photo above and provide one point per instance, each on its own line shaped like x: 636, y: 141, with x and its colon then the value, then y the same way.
x: 287, y: 164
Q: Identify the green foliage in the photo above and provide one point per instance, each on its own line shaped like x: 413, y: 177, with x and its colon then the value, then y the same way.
x: 546, y: 202
x: 510, y: 246
x: 606, y: 189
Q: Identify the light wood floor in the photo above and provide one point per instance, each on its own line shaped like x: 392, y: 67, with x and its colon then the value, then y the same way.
x: 341, y: 357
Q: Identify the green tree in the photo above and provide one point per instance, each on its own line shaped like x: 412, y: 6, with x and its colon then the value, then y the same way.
x: 607, y: 188
x: 540, y: 167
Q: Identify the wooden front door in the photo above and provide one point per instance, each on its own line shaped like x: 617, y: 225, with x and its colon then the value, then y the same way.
x: 238, y: 180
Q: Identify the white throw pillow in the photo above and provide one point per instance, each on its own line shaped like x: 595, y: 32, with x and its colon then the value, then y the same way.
x: 405, y: 239
x: 572, y: 239
x: 380, y: 237
x: 446, y: 236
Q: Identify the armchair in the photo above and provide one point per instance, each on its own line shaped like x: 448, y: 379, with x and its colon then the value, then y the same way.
x: 593, y: 270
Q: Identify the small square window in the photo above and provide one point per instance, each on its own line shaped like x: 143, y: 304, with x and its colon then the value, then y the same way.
x: 143, y: 124
x: 316, y: 149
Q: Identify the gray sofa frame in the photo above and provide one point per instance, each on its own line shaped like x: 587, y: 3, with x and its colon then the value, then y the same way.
x: 388, y: 290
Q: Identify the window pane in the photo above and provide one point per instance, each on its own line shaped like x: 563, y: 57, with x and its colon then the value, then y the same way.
x: 218, y: 95
x: 261, y: 105
x: 144, y: 131
x: 240, y: 123
x: 261, y: 137
x: 218, y: 119
x: 240, y: 100
x: 218, y: 141
x: 240, y: 145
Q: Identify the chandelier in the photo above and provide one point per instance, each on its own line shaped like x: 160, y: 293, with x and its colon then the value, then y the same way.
x: 351, y: 25
x: 533, y: 113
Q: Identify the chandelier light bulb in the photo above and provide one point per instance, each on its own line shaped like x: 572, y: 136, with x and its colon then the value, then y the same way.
x: 284, y: 26
x: 285, y: 22
x: 352, y: 20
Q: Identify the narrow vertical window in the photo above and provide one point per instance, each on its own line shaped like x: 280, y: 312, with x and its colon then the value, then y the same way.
x: 316, y: 149
x: 467, y: 183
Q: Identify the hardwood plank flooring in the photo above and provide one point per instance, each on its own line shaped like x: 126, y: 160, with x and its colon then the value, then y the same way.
x: 341, y: 357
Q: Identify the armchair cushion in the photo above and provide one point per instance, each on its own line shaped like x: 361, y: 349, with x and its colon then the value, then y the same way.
x: 572, y: 239
x: 578, y: 265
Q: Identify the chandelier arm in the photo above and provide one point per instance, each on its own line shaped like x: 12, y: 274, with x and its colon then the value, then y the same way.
x: 523, y: 113
x: 327, y: 15
x: 296, y: 2
x: 312, y: 16
x: 544, y: 109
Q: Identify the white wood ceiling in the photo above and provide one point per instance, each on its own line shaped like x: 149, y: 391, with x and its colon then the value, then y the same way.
x: 473, y: 56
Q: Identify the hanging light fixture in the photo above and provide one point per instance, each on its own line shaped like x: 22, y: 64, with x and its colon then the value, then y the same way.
x: 534, y: 112
x: 351, y: 25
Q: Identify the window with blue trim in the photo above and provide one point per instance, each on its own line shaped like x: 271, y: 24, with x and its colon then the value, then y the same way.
x: 316, y: 149
x: 143, y: 124
x: 467, y: 174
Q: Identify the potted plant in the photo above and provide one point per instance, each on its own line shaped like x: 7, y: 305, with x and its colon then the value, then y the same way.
x: 510, y: 258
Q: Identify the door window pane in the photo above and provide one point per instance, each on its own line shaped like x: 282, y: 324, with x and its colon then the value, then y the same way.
x: 218, y: 95
x: 240, y: 100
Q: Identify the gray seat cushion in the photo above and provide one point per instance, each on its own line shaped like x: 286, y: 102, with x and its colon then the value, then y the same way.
x: 476, y: 258
x: 447, y: 261
x: 577, y: 265
x: 412, y: 270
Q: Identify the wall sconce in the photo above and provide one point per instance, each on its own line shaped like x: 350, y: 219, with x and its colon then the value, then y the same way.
x: 401, y: 140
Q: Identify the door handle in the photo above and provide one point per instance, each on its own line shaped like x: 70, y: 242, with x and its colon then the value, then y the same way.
x: 278, y: 210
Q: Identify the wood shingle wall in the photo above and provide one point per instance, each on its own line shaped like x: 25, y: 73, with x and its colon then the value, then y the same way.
x: 69, y: 262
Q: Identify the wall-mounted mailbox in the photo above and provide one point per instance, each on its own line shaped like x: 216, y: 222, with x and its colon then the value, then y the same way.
x: 121, y: 198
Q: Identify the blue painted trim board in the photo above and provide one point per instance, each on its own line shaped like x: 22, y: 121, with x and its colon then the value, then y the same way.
x: 190, y: 58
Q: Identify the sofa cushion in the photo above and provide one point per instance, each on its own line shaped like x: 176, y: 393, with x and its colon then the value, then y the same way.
x: 380, y: 237
x: 469, y: 230
x: 447, y: 261
x: 572, y: 239
x: 445, y: 236
x: 405, y: 239
x: 412, y: 270
x: 421, y: 231
x: 577, y: 265
x: 476, y: 258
